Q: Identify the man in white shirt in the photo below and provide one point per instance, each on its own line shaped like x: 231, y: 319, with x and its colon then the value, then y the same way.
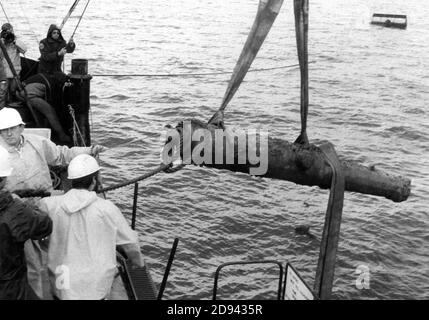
x: 86, y: 231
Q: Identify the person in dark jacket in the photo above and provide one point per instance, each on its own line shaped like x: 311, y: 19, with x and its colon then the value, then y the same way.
x: 53, y: 49
x: 3, y: 86
x: 18, y: 223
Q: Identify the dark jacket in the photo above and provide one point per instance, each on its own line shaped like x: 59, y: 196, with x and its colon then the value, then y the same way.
x: 18, y: 223
x: 3, y: 86
x: 50, y: 61
x: 2, y: 72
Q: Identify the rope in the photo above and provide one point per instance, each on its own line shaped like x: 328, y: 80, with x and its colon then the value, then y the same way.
x: 167, y: 168
x: 154, y: 75
x: 161, y: 168
x: 56, y: 180
x: 76, y: 130
x: 4, y: 11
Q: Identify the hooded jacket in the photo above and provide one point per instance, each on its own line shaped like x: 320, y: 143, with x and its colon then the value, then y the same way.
x: 50, y: 61
x: 18, y: 223
x: 82, y: 247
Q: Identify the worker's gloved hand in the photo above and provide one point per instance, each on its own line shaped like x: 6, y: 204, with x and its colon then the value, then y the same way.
x: 96, y: 150
x: 62, y: 52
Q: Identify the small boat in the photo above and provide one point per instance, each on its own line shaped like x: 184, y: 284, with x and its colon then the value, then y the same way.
x: 398, y: 21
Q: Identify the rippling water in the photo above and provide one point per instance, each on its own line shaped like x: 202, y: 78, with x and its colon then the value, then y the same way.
x: 368, y: 92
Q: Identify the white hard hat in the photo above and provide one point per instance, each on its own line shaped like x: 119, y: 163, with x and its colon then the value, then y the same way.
x: 81, y: 166
x: 5, y: 167
x: 9, y: 118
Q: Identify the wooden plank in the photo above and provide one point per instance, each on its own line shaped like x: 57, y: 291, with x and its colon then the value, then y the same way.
x: 383, y: 15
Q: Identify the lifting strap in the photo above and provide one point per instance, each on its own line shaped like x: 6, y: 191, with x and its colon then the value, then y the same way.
x: 331, y: 230
x: 265, y: 17
x: 75, y: 3
x: 301, y: 29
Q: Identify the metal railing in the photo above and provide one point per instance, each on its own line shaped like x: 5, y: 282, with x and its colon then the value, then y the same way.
x: 216, y: 279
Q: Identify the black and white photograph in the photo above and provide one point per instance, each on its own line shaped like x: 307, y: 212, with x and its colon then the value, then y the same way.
x: 242, y: 151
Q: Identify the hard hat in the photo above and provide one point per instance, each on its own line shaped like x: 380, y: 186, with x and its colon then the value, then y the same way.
x: 5, y: 167
x: 9, y: 118
x: 81, y: 166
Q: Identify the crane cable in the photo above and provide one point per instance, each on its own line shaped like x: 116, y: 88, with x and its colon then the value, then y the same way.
x: 80, y: 19
x: 4, y: 11
x: 166, y: 75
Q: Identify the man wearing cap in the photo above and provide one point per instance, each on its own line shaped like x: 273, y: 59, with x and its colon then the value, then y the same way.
x: 14, y: 48
x: 31, y: 156
x: 18, y: 223
x: 86, y: 231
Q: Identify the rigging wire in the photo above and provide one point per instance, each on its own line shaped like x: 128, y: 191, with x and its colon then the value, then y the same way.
x: 80, y: 19
x: 192, y: 74
x: 4, y: 11
x: 75, y: 3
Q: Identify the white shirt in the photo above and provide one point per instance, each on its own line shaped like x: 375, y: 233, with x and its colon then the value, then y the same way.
x: 82, y: 246
x: 31, y: 162
x: 13, y: 50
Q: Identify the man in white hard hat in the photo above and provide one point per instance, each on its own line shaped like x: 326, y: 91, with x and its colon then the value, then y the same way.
x: 18, y: 223
x: 86, y: 231
x: 31, y: 156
